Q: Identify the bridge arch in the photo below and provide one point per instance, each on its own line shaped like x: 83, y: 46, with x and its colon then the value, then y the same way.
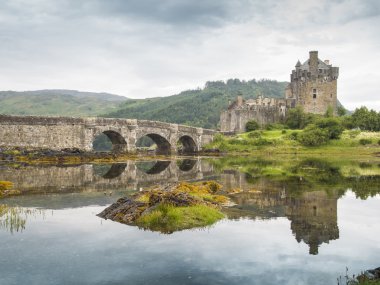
x: 119, y: 144
x: 187, y: 144
x: 163, y: 145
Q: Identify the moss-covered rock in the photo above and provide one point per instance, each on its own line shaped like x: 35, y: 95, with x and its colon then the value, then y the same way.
x: 6, y: 189
x: 173, y: 208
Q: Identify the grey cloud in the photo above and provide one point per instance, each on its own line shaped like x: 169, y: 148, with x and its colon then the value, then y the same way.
x: 161, y: 47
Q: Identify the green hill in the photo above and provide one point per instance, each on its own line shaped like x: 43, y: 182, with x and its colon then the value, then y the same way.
x: 58, y: 103
x: 200, y: 107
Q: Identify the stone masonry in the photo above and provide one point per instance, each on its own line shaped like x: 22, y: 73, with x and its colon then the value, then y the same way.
x: 57, y: 133
x: 313, y: 86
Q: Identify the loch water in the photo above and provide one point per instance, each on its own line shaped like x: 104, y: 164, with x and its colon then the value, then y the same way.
x: 296, y: 221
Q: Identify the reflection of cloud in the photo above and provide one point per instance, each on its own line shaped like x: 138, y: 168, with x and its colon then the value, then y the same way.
x: 145, y: 49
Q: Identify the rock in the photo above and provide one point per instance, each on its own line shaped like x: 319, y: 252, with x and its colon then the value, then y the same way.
x: 124, y: 210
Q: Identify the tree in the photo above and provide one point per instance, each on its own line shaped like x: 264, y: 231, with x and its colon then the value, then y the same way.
x: 252, y: 126
x: 313, y: 136
x: 341, y: 111
x: 298, y: 119
x: 366, y: 120
x: 333, y: 126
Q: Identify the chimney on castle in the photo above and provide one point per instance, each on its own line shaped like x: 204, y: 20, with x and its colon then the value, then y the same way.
x: 239, y: 100
x: 313, y: 63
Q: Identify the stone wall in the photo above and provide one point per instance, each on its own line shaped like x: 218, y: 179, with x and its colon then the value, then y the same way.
x: 236, y: 119
x: 326, y: 95
x: 58, y: 133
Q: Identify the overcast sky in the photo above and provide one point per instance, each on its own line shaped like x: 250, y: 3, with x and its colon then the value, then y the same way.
x: 148, y: 48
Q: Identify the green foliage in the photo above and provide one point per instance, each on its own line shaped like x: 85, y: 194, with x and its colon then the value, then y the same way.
x: 58, y: 103
x: 293, y: 136
x: 332, y: 125
x: 251, y: 126
x: 255, y: 134
x: 353, y: 133
x: 341, y: 111
x: 313, y: 136
x: 366, y: 119
x: 200, y: 107
x: 102, y: 143
x: 365, y: 141
x: 275, y: 127
x: 167, y: 218
x: 329, y: 112
x: 298, y: 119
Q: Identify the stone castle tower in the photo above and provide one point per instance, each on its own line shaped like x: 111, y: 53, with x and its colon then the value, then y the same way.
x: 313, y: 85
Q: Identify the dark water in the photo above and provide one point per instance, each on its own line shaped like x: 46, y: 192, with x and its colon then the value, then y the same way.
x: 297, y: 221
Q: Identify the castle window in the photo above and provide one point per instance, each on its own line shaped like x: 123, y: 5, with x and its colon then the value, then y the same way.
x: 330, y: 95
x: 314, y: 93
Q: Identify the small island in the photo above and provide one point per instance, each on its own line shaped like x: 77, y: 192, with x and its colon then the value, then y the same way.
x: 171, y: 208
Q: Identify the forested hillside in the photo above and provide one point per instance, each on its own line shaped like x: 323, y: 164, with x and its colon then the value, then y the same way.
x: 200, y: 107
x: 58, y: 103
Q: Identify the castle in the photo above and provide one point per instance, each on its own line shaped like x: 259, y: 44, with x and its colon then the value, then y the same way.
x: 313, y: 86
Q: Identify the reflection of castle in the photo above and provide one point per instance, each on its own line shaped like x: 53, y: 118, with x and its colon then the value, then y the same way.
x: 313, y: 215
x: 313, y: 218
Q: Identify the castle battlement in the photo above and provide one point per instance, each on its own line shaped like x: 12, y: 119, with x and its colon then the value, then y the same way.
x: 313, y: 86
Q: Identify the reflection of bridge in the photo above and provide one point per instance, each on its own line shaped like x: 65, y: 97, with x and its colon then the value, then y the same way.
x: 88, y: 177
x: 58, y: 133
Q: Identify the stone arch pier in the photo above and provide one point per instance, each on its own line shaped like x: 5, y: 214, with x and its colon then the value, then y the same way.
x: 57, y: 133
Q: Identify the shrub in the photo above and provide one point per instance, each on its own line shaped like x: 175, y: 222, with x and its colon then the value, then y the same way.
x: 333, y: 127
x: 274, y: 126
x: 378, y: 142
x: 218, y: 138
x: 365, y: 141
x: 313, y: 136
x: 262, y: 141
x: 283, y: 132
x: 255, y: 134
x: 252, y: 126
x: 293, y: 136
x: 353, y: 134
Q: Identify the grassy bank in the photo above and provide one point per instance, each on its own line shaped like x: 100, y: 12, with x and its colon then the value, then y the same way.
x: 285, y: 142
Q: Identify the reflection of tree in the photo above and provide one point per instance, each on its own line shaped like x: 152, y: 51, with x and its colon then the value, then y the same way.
x: 14, y: 219
x: 365, y: 186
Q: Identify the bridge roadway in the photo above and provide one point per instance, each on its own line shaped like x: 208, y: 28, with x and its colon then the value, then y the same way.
x: 57, y: 133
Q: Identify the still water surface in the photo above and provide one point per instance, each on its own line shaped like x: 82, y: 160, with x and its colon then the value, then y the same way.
x: 296, y: 222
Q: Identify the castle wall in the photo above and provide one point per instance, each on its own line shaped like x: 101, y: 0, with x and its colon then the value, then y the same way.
x: 236, y: 119
x: 326, y: 95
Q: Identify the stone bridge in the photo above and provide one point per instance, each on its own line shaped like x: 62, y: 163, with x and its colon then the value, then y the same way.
x: 57, y: 133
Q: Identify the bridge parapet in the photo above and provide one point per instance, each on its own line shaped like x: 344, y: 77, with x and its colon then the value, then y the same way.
x: 58, y: 133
